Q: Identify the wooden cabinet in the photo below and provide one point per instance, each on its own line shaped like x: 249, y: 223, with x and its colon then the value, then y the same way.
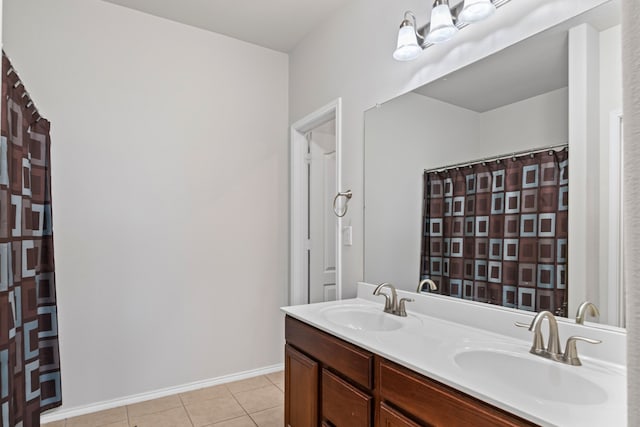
x: 389, y: 417
x: 348, y: 359
x: 435, y: 404
x: 343, y: 404
x: 332, y: 383
x: 301, y: 383
x: 337, y: 376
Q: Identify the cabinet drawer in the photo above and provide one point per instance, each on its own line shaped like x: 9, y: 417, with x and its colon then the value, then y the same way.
x: 436, y: 404
x: 343, y: 405
x: 392, y: 418
x: 345, y: 358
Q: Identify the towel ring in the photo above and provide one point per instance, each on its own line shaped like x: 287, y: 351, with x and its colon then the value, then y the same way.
x: 347, y: 194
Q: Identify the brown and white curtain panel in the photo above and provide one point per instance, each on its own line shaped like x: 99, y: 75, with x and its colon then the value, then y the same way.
x: 496, y: 232
x: 29, y: 357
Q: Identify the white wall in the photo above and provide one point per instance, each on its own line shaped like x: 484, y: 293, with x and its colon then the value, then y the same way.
x: 539, y: 121
x: 169, y: 165
x: 412, y: 133
x: 350, y: 57
x: 631, y: 62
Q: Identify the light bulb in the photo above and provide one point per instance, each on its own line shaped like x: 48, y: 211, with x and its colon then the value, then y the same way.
x: 442, y: 28
x: 476, y: 10
x: 407, y: 48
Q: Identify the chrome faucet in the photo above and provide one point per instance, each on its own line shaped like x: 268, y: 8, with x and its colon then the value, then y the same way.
x: 432, y: 285
x: 553, y: 343
x: 582, y: 312
x: 552, y: 350
x: 391, y: 303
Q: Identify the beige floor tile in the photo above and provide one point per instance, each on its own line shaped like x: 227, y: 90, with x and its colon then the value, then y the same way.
x: 153, y: 406
x: 118, y: 424
x: 260, y: 398
x: 273, y: 417
x: 99, y: 419
x: 245, y: 421
x: 214, y: 410
x: 55, y: 424
x: 176, y: 417
x: 277, y: 378
x: 208, y: 393
x: 248, y: 384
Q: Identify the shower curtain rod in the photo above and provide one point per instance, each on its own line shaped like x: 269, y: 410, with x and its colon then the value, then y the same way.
x: 25, y: 94
x: 498, y: 158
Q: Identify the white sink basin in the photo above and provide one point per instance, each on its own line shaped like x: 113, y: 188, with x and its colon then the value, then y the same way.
x: 531, y: 375
x: 362, y: 318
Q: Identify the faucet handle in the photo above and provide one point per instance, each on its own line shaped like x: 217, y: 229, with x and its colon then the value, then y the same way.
x: 571, y: 351
x: 538, y: 344
x: 402, y: 311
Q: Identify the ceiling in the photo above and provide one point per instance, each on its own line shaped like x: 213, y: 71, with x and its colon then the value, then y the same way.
x: 532, y: 67
x: 274, y: 24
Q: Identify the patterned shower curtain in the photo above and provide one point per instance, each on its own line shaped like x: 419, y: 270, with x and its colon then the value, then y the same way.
x: 496, y: 232
x: 29, y: 357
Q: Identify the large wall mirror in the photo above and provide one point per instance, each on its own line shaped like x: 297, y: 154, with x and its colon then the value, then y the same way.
x: 561, y: 86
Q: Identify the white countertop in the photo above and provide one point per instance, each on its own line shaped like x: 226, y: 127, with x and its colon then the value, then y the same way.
x: 429, y: 345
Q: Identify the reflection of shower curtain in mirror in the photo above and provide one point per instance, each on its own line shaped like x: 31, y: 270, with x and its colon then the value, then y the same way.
x: 496, y: 232
x: 29, y: 358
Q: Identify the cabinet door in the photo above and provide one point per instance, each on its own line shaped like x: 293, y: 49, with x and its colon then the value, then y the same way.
x: 301, y: 376
x: 391, y: 418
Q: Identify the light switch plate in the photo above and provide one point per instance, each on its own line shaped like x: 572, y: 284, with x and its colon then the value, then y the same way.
x: 347, y: 235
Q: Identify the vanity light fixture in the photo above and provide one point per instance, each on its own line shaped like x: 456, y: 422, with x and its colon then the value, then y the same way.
x: 445, y: 23
x: 442, y: 28
x: 476, y: 10
x: 408, y: 48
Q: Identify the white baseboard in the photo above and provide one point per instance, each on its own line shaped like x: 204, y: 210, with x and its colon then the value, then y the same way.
x: 62, y: 413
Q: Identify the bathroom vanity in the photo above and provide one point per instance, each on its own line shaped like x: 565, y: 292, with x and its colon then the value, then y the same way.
x: 336, y: 383
x: 349, y: 364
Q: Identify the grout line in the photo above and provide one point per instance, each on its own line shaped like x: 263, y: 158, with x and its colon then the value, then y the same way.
x: 126, y: 408
x: 240, y: 404
x: 253, y: 421
x: 186, y: 410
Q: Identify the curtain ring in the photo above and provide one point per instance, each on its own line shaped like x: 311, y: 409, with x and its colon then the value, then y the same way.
x: 347, y: 194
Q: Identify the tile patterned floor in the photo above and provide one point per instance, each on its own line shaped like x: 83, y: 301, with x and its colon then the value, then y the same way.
x: 257, y: 401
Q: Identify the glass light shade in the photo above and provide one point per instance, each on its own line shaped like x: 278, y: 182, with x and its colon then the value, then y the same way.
x: 442, y: 28
x: 408, y: 48
x: 476, y: 10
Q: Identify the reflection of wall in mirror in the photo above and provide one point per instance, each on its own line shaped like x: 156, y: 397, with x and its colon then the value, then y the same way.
x: 610, y: 100
x: 412, y: 133
x: 596, y: 89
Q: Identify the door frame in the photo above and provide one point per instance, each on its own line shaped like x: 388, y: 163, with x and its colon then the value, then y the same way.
x: 298, y: 269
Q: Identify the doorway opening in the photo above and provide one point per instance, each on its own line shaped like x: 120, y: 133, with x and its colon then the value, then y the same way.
x: 315, y: 259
